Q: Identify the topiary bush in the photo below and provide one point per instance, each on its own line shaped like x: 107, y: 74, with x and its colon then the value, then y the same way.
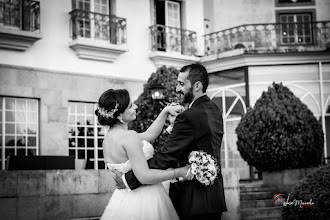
x: 313, y: 189
x: 149, y: 109
x: 280, y: 132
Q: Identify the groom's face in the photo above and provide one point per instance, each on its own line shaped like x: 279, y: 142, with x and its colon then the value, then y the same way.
x: 184, y: 88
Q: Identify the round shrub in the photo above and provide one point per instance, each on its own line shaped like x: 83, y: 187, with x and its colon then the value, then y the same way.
x: 149, y: 109
x: 314, y: 188
x: 280, y: 132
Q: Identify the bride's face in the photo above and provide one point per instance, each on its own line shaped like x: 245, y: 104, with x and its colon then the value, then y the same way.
x: 130, y: 113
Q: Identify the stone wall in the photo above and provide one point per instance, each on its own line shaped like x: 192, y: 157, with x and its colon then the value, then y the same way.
x: 54, y: 90
x: 285, y: 180
x: 56, y: 194
x: 75, y: 194
x: 231, y: 184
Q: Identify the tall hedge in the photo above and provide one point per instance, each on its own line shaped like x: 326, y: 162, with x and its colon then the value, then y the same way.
x: 313, y: 189
x: 148, y: 109
x: 280, y: 132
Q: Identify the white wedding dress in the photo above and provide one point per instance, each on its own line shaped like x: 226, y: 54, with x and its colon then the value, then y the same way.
x: 148, y: 202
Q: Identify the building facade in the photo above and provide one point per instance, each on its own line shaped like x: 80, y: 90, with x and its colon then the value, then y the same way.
x: 250, y: 44
x: 57, y: 57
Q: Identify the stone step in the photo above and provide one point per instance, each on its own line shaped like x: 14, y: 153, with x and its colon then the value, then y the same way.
x: 261, y: 213
x: 251, y: 183
x: 249, y: 204
x: 256, y: 196
x: 249, y: 188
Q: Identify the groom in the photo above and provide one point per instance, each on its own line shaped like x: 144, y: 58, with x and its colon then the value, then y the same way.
x: 200, y: 127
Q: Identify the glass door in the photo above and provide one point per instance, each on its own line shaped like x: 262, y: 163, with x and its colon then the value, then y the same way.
x: 173, y: 26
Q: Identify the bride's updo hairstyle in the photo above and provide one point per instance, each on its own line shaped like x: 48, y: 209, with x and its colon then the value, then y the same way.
x: 111, y: 104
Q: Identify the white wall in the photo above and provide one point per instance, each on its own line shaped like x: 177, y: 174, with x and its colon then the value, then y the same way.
x: 238, y: 12
x: 194, y: 19
x: 227, y: 14
x: 323, y: 9
x: 302, y: 80
x: 52, y: 52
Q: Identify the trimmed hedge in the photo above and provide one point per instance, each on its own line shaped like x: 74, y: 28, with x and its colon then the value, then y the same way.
x: 313, y: 188
x: 149, y: 109
x: 280, y: 132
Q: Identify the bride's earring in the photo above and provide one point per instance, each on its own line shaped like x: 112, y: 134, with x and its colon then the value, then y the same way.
x: 121, y: 120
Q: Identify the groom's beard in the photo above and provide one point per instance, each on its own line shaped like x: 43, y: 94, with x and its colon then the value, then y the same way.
x: 188, y: 97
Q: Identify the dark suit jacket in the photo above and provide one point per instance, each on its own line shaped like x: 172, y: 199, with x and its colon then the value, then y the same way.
x: 198, y: 128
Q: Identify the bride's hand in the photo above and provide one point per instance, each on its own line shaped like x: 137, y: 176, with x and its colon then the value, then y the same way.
x: 185, y: 173
x: 174, y: 109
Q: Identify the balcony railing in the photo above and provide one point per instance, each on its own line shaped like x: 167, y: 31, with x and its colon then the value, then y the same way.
x: 21, y: 15
x: 264, y: 38
x: 171, y: 39
x: 96, y: 26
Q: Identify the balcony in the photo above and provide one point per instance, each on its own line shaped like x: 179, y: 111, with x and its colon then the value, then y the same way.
x: 268, y: 38
x: 97, y: 36
x: 172, y: 46
x: 19, y: 24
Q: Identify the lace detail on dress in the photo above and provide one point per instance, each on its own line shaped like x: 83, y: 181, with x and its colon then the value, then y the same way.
x: 148, y: 151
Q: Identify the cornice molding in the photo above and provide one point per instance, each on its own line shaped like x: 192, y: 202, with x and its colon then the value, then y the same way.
x: 97, y: 50
x: 215, y: 64
x: 15, y: 39
x: 176, y: 60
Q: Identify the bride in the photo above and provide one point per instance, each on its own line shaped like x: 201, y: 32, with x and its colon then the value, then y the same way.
x: 126, y: 150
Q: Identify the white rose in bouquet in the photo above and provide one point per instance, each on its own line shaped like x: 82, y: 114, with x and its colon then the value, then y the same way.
x: 203, y: 167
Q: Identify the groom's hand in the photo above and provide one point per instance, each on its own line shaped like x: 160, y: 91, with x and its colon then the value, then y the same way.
x: 117, y: 177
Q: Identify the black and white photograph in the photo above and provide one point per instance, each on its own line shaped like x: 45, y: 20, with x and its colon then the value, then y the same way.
x: 164, y: 109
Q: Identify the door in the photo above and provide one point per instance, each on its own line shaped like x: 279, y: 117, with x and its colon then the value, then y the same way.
x: 96, y: 22
x: 173, y: 26
x: 232, y: 105
x: 102, y: 20
x: 168, y: 26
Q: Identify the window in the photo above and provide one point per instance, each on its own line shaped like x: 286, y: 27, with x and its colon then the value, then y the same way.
x: 20, y: 14
x: 97, y: 28
x: 296, y: 28
x: 18, y: 127
x: 172, y: 14
x: 95, y: 19
x: 85, y: 134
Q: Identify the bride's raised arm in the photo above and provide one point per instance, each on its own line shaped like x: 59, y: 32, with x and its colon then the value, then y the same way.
x: 156, y: 127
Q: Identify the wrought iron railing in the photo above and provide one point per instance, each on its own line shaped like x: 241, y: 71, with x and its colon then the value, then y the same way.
x: 263, y: 38
x: 98, y: 26
x: 171, y: 39
x: 20, y: 14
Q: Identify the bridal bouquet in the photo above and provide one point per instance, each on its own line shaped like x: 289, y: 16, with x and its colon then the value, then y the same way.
x: 203, y: 167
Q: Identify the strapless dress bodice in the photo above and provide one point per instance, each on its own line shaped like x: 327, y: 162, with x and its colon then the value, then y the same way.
x: 148, y: 151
